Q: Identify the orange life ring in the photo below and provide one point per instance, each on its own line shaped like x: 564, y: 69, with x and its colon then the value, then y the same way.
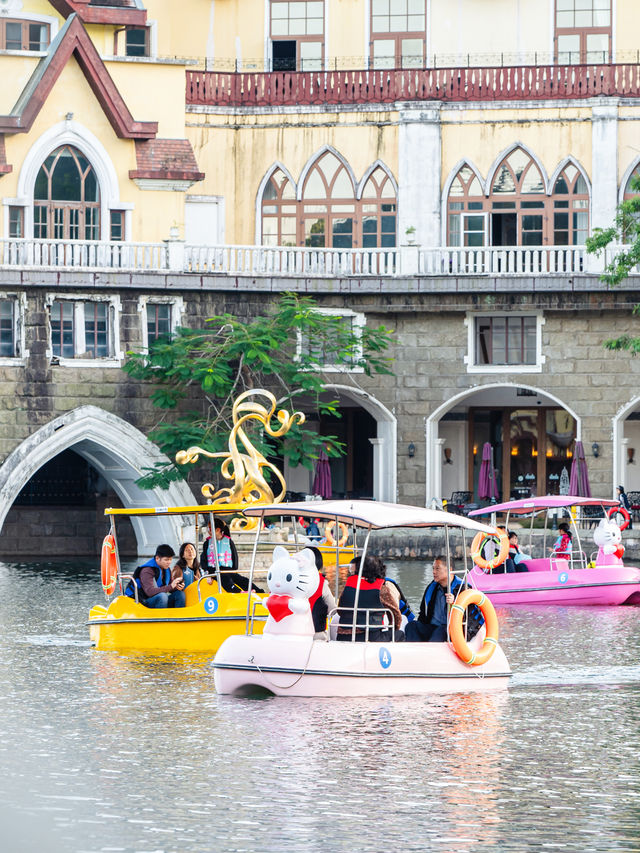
x: 624, y: 512
x: 462, y: 648
x: 344, y: 533
x: 478, y: 544
x: 108, y: 564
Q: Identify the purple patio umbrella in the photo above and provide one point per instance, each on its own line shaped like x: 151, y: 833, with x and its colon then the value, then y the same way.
x: 579, y: 478
x: 487, y: 486
x: 322, y: 477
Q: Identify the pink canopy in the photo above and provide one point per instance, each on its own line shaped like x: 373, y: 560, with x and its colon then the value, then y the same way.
x: 527, y: 506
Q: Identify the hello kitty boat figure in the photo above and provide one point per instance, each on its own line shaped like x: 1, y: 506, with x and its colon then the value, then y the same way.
x: 598, y: 578
x: 286, y: 660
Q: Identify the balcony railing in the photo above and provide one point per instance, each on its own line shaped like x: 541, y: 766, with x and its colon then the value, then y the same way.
x: 299, y: 261
x: 290, y: 261
x: 83, y: 254
x: 298, y: 88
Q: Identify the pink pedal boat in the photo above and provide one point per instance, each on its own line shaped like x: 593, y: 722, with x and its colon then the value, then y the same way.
x: 601, y: 578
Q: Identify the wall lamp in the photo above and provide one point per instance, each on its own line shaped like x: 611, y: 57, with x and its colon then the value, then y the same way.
x: 595, y: 449
x: 411, y: 450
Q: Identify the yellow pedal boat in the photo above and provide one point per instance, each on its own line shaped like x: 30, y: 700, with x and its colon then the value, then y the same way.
x: 210, y: 615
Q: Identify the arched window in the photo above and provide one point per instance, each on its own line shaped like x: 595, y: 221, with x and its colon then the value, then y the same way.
x: 279, y: 211
x: 328, y: 214
x: 66, y: 197
x: 629, y: 192
x: 378, y: 209
x: 517, y: 210
x: 570, y: 208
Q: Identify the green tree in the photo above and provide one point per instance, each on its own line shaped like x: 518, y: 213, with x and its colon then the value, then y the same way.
x: 625, y: 231
x: 283, y: 352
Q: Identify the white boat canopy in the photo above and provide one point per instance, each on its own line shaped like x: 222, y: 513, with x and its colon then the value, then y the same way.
x: 372, y: 514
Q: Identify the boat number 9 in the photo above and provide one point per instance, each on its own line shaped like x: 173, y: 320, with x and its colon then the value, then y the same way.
x: 563, y: 577
x: 385, y: 658
x: 211, y: 605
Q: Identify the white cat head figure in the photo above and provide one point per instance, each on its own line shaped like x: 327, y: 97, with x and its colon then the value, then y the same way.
x: 607, y: 536
x: 295, y: 575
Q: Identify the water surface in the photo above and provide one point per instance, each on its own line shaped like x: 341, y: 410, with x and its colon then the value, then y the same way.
x: 102, y: 751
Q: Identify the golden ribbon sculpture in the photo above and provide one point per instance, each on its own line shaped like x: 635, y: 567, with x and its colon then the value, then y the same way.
x: 245, y: 469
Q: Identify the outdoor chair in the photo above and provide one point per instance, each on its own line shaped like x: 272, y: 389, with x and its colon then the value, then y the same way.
x: 590, y: 516
x: 457, y: 501
x: 634, y: 503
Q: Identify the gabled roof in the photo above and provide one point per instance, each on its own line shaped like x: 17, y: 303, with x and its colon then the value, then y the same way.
x: 121, y: 12
x: 73, y: 40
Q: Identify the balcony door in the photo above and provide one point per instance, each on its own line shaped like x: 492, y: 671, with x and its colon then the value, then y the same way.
x: 66, y: 198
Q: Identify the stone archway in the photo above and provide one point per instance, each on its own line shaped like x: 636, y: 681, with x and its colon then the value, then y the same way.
x: 492, y: 395
x: 384, y: 443
x: 626, y: 444
x: 118, y: 451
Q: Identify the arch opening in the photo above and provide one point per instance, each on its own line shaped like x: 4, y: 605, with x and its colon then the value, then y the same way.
x: 531, y: 434
x: 368, y: 430
x: 114, y: 455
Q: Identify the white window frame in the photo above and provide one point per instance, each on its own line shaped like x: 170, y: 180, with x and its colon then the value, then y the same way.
x: 469, y: 359
x: 15, y: 12
x: 359, y: 322
x: 116, y: 356
x: 177, y: 314
x: 20, y: 308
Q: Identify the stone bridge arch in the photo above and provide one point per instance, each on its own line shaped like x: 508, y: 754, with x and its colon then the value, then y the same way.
x: 118, y: 451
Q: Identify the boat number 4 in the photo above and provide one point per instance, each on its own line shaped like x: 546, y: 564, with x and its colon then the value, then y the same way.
x: 211, y: 605
x: 563, y: 577
x: 385, y: 658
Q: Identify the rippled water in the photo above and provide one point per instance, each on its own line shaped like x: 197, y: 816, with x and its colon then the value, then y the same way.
x: 108, y: 752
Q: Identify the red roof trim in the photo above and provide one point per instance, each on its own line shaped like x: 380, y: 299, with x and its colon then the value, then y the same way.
x: 166, y: 160
x: 106, y: 14
x: 73, y: 40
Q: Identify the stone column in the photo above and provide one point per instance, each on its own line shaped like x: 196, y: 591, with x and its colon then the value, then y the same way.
x: 378, y: 468
x: 419, y: 173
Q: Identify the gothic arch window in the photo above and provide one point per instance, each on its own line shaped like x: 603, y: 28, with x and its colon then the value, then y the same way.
x: 570, y: 208
x: 517, y: 211
x: 629, y: 192
x: 66, y: 203
x: 328, y: 214
x: 279, y: 211
x: 378, y: 211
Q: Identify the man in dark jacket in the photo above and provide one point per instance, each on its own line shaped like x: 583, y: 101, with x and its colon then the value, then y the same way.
x: 153, y: 579
x: 431, y: 624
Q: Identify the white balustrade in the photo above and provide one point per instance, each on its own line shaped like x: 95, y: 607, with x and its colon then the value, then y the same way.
x: 294, y: 261
x: 82, y: 254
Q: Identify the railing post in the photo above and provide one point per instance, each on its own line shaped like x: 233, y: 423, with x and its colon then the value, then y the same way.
x: 409, y: 257
x: 175, y: 251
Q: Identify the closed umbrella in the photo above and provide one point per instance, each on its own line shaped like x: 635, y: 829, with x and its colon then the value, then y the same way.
x: 579, y: 478
x: 322, y: 477
x: 487, y: 486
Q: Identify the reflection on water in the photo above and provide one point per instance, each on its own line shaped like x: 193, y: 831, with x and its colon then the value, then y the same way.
x: 103, y: 751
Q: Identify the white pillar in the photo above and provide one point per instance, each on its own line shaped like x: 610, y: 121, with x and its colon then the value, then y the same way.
x: 419, y: 173
x: 604, y: 163
x: 378, y: 468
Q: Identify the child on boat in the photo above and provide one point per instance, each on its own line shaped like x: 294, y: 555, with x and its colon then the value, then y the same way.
x: 564, y: 543
x: 227, y: 559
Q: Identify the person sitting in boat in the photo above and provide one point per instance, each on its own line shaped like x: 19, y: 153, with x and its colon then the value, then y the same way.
x: 187, y: 566
x: 156, y: 587
x: 625, y: 503
x: 406, y: 612
x: 375, y: 596
x: 563, y: 545
x: 322, y: 600
x: 431, y: 624
x: 227, y: 553
x: 514, y: 561
x: 311, y: 529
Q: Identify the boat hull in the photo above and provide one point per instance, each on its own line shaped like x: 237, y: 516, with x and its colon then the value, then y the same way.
x: 301, y: 666
x: 555, y: 584
x: 200, y: 626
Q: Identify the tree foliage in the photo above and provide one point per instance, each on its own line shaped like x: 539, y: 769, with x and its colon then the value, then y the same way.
x: 626, y: 232
x: 283, y: 351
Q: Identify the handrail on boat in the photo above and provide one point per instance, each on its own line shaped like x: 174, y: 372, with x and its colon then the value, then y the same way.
x: 135, y: 586
x: 367, y: 625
